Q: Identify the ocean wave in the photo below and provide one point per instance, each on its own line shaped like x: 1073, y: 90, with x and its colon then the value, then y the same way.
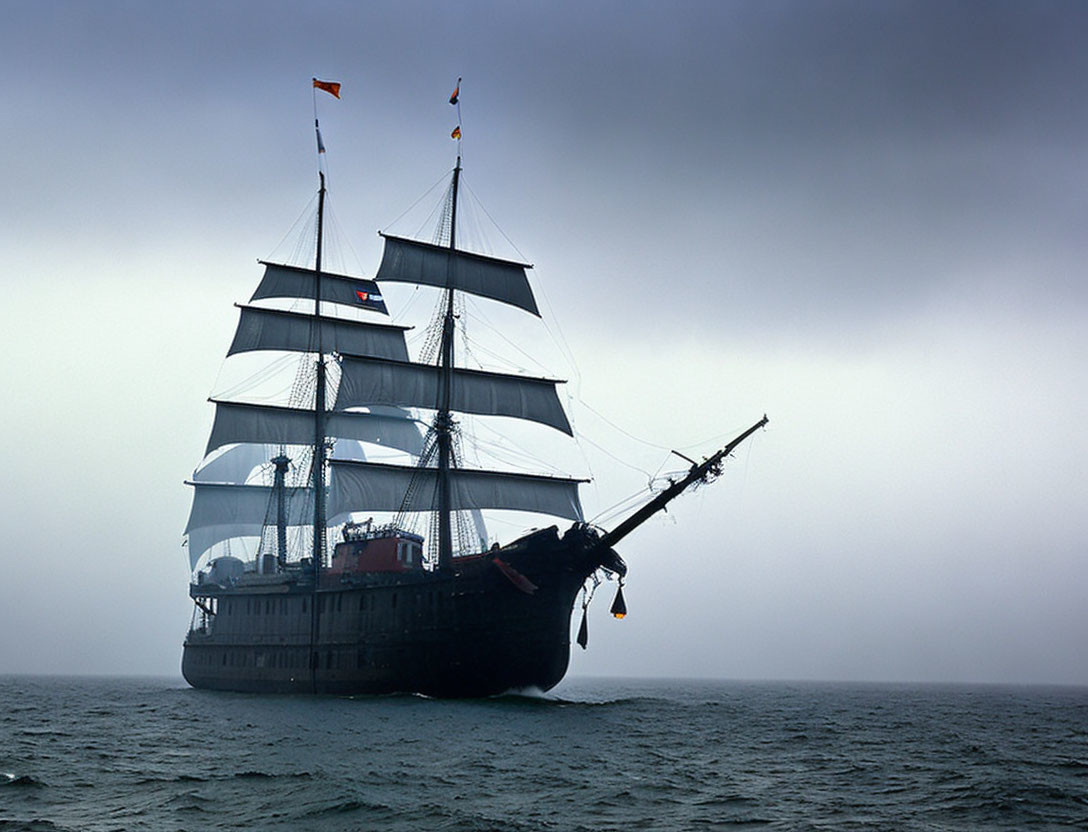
x: 343, y: 807
x: 22, y: 780
x: 597, y: 756
x: 538, y: 698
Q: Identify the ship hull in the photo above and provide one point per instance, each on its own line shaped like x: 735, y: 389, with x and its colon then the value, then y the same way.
x: 499, y: 621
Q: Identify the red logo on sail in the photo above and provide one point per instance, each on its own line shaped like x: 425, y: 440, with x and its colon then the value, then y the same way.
x: 364, y: 296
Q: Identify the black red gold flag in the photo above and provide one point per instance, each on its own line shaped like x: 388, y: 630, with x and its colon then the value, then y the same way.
x: 456, y: 92
x: 456, y: 134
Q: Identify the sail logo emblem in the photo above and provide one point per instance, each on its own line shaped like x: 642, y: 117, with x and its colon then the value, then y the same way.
x: 367, y: 297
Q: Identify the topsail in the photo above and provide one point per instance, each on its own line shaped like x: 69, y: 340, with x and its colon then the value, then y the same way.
x: 413, y: 261
x: 274, y: 329
x: 292, y: 282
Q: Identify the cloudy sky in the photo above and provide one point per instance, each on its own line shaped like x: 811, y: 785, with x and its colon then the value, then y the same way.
x: 865, y: 219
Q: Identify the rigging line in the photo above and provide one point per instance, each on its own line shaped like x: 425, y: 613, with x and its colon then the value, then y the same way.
x: 307, y: 212
x: 498, y: 227
x: 616, y: 507
x: 342, y: 238
x: 713, y: 440
x: 506, y: 445
x: 621, y: 430
x: 478, y: 313
x: 560, y: 341
x: 504, y: 363
x: 402, y: 314
x: 624, y: 506
x: 441, y: 209
x: 419, y: 200
x: 254, y: 379
x: 496, y: 452
x: 643, y: 471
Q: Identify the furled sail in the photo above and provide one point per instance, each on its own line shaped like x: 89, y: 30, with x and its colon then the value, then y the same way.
x: 236, y: 422
x: 292, y: 282
x: 370, y: 486
x: 366, y: 381
x: 412, y: 261
x: 274, y: 329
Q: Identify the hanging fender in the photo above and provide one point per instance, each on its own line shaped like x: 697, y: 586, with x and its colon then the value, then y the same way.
x: 583, y: 630
x: 619, y: 606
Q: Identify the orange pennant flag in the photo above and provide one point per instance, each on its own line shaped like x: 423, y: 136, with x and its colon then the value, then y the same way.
x: 456, y: 134
x: 331, y: 87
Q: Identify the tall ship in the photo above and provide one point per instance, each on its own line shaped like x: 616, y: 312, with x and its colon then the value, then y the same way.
x: 329, y: 600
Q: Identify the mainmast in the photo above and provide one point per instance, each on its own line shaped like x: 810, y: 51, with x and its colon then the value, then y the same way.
x: 319, y: 401
x: 443, y: 421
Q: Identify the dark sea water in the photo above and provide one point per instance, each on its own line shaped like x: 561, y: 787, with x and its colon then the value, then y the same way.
x: 134, y: 754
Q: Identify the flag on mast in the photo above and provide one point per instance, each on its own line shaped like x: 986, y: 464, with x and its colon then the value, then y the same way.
x: 456, y: 134
x: 331, y: 87
x: 456, y: 92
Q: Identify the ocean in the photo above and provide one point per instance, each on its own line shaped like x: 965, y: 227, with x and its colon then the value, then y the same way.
x: 594, y: 754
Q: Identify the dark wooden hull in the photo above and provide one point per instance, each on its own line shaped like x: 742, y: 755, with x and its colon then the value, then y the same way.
x: 476, y: 632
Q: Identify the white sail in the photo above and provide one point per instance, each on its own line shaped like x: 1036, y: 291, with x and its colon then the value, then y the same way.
x: 237, y: 422
x: 222, y: 510
x: 366, y: 381
x: 274, y: 329
x: 348, y: 449
x: 201, y: 539
x: 369, y: 486
x: 234, y: 464
x: 292, y: 282
x: 412, y: 261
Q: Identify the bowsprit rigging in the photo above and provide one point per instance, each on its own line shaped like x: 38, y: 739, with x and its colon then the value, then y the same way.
x: 369, y: 431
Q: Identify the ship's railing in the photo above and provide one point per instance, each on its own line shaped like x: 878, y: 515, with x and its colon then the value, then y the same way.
x: 354, y: 532
x: 203, y: 621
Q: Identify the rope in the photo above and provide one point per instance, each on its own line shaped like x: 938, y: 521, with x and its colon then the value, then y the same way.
x: 414, y: 204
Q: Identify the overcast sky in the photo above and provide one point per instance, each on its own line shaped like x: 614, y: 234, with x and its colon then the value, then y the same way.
x: 865, y: 219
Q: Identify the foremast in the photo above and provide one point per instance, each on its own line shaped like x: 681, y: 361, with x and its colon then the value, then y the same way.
x: 319, y: 399
x: 444, y: 420
x: 318, y: 465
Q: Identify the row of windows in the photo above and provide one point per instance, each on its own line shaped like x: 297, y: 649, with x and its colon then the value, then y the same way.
x: 326, y: 604
x: 288, y: 658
